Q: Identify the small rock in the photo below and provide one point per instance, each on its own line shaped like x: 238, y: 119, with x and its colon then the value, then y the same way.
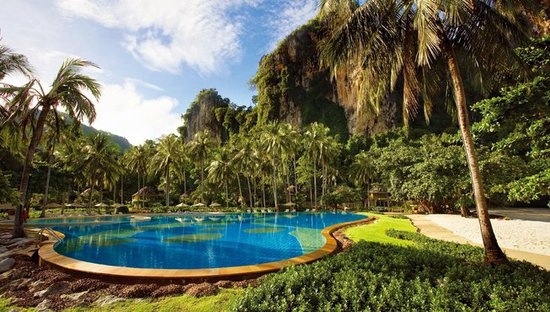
x: 107, y: 300
x: 36, y: 285
x: 43, y: 306
x: 3, y: 249
x: 54, y: 289
x: 6, y: 264
x: 75, y: 296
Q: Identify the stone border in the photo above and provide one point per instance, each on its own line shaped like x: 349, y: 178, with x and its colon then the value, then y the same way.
x: 49, y: 257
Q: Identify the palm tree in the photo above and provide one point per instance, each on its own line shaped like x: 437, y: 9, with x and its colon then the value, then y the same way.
x: 275, y: 145
x: 362, y: 171
x: 167, y: 153
x: 315, y: 144
x: 10, y: 116
x: 98, y: 162
x: 245, y: 161
x: 136, y: 158
x: 389, y: 37
x: 11, y: 62
x: 199, y: 150
x: 68, y: 90
x: 56, y: 131
x: 219, y: 170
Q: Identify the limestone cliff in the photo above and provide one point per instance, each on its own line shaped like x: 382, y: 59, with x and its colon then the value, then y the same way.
x: 293, y: 87
x: 201, y: 115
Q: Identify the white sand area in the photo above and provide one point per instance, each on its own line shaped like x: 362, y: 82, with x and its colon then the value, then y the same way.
x: 529, y: 236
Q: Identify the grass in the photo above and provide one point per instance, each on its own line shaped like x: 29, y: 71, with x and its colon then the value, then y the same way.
x: 376, y: 232
x: 220, y: 302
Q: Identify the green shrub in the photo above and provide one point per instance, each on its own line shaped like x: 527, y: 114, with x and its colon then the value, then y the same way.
x: 432, y: 276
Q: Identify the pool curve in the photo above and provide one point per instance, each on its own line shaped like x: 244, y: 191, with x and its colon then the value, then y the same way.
x: 50, y: 257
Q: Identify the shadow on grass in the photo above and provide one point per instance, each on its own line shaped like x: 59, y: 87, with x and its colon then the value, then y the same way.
x: 433, y: 275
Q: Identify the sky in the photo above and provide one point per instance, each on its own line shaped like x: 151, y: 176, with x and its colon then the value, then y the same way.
x: 154, y: 56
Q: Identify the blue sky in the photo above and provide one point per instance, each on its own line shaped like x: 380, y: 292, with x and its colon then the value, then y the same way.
x: 154, y: 56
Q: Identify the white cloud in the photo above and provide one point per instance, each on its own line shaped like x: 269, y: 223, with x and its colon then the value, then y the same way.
x: 164, y: 35
x: 290, y: 15
x: 122, y: 110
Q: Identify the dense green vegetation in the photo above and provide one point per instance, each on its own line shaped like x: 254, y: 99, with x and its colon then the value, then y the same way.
x: 430, y: 275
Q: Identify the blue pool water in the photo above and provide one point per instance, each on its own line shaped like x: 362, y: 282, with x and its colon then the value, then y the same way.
x: 192, y: 241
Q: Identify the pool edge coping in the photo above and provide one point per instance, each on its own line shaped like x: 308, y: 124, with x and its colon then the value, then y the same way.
x: 48, y: 256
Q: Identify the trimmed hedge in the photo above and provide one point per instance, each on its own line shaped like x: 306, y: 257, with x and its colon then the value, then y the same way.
x: 433, y: 275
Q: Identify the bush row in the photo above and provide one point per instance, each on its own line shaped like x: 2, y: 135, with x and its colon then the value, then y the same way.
x: 434, y: 275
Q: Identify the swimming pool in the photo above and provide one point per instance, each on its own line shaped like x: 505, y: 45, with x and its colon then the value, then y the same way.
x: 193, y: 241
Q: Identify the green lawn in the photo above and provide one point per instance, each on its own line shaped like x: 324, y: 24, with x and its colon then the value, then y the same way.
x: 376, y: 232
x: 219, y: 303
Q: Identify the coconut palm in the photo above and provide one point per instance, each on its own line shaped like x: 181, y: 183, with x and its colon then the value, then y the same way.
x: 220, y: 170
x: 316, y: 145
x: 137, y: 158
x: 199, y: 150
x: 11, y: 62
x: 275, y: 144
x: 393, y: 37
x: 245, y: 160
x: 69, y: 90
x: 98, y: 162
x: 165, y: 158
x: 362, y: 171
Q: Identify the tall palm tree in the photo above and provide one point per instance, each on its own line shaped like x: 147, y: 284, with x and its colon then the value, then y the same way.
x: 165, y: 158
x: 220, y: 170
x: 98, y: 162
x: 316, y: 144
x: 409, y: 37
x: 275, y: 145
x: 199, y: 150
x: 136, y: 158
x: 69, y: 90
x: 245, y: 161
x: 362, y: 171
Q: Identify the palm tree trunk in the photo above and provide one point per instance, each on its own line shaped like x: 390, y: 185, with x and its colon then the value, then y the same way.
x: 275, y: 187
x: 202, y: 179
x: 249, y: 190
x: 168, y: 184
x: 314, y: 184
x: 289, y: 195
x: 493, y: 253
x: 22, y: 209
x: 263, y: 194
x: 90, y: 196
x: 226, y: 194
x: 240, y: 189
x: 184, y: 183
x: 50, y: 157
x: 122, y: 190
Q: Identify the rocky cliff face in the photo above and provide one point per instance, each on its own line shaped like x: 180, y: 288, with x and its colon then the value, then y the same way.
x: 292, y: 87
x: 201, y: 115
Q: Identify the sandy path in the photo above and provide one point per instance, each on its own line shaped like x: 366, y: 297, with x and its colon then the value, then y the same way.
x: 529, y: 236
